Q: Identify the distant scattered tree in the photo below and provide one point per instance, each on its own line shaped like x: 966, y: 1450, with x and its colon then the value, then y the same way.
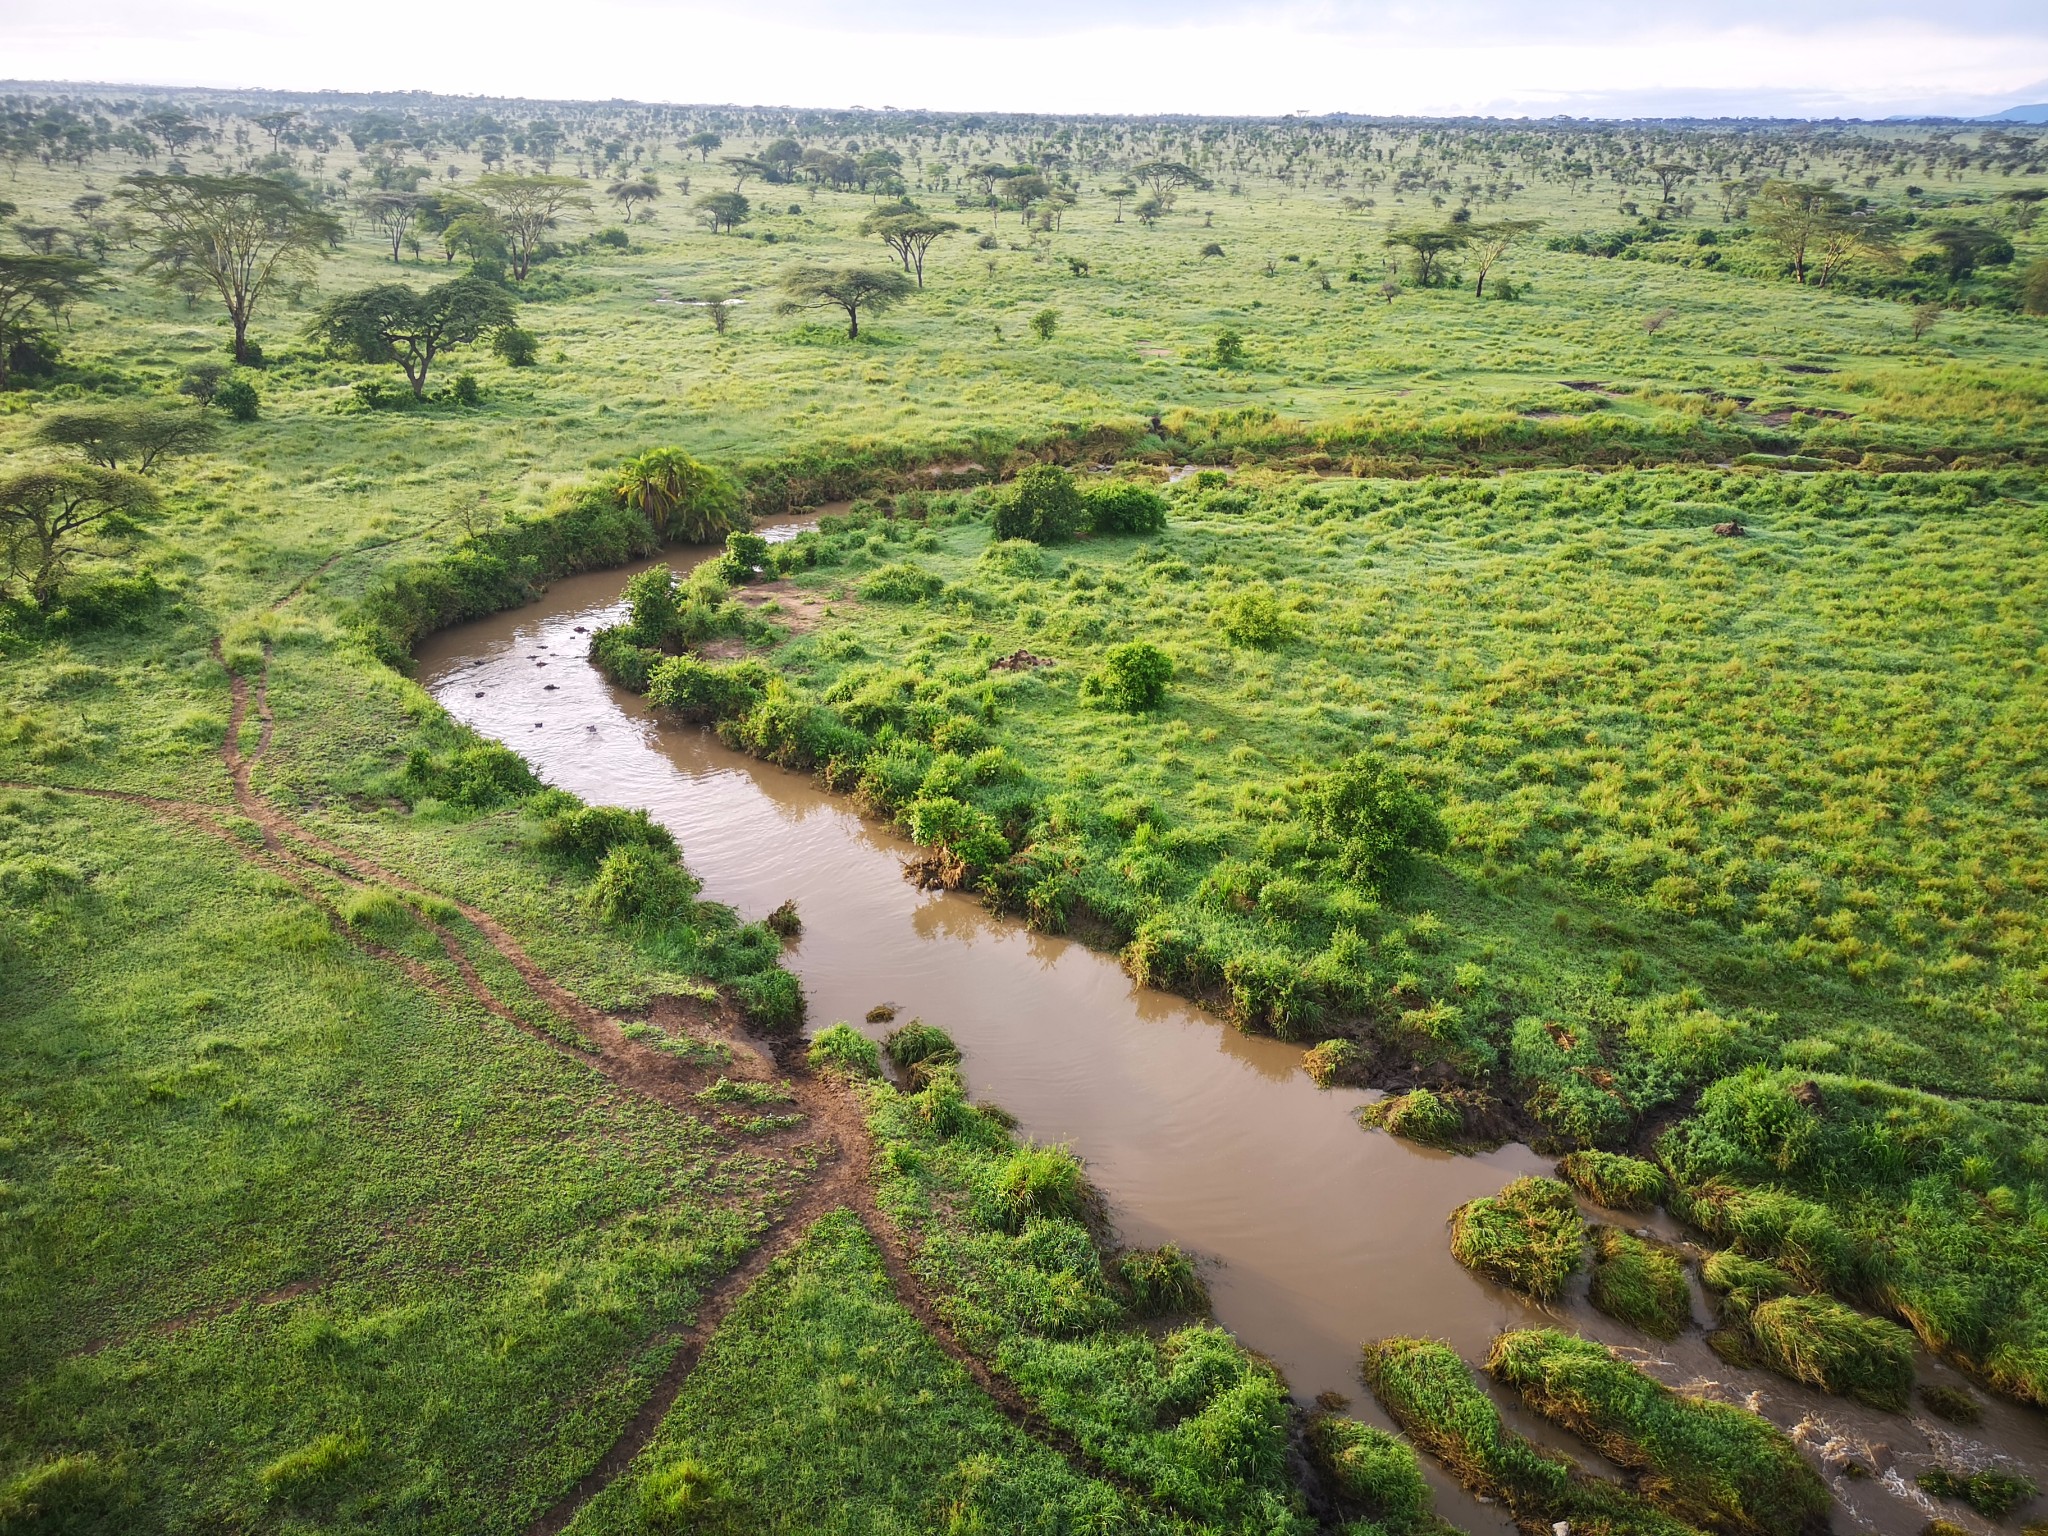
x: 134, y: 437
x: 1925, y: 318
x: 1429, y: 247
x: 851, y: 289
x: 1229, y: 350
x: 1025, y: 191
x: 243, y: 235
x: 1815, y: 228
x: 718, y: 307
x: 743, y: 167
x: 1120, y: 195
x: 909, y: 232
x: 525, y: 208
x: 627, y: 193
x: 2034, y: 288
x: 202, y: 381
x: 1149, y: 210
x: 781, y: 156
x: 275, y: 124
x: 392, y: 323
x: 50, y: 516
x: 703, y: 143
x: 1044, y: 323
x: 1964, y: 248
x: 1669, y: 174
x: 723, y: 210
x: 1164, y: 176
x: 1490, y: 243
x: 1653, y: 323
x: 32, y: 286
x: 41, y: 238
x: 396, y: 214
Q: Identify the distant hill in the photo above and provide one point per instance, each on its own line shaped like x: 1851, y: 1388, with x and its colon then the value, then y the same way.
x: 2038, y: 113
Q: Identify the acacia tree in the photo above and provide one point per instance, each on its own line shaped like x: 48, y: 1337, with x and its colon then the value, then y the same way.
x: 1429, y: 247
x: 1166, y: 176
x: 1815, y: 228
x: 909, y: 232
x: 1669, y: 174
x: 1489, y: 244
x: 135, y: 436
x: 849, y: 288
x: 29, y: 284
x: 51, y: 515
x: 396, y: 213
x: 627, y: 193
x: 242, y: 234
x: 703, y: 143
x: 392, y: 323
x: 723, y: 209
x: 525, y: 208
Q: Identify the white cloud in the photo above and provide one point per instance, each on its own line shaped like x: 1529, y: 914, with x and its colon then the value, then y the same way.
x: 1320, y: 57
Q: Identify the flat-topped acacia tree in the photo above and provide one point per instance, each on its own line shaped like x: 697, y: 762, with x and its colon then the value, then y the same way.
x: 851, y: 289
x: 526, y: 208
x: 391, y: 323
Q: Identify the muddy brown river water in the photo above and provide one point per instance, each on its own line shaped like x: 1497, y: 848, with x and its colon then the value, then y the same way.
x: 1315, y: 1234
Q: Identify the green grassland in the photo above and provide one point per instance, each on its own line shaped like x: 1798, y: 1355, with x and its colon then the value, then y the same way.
x: 1744, y: 833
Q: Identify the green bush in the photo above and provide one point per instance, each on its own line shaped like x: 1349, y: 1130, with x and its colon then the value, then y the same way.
x: 1124, y: 507
x: 1528, y: 1236
x: 589, y: 832
x: 239, y: 399
x: 474, y: 777
x: 1337, y: 1061
x: 902, y: 582
x: 1640, y: 1283
x: 773, y: 1000
x: 1713, y: 1465
x: 635, y: 882
x: 655, y: 602
x: 1161, y: 1282
x: 1042, y: 505
x: 1133, y: 678
x: 917, y: 1043
x: 1373, y: 1472
x: 1371, y: 823
x: 842, y: 1048
x: 515, y: 348
x: 1012, y: 560
x: 1818, y: 1341
x: 621, y: 658
x: 1253, y: 617
x: 1418, y: 1115
x: 1619, y: 1183
x: 1040, y: 1181
x: 704, y: 690
x: 745, y: 553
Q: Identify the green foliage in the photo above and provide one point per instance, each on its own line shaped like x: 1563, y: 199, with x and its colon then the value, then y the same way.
x: 587, y: 833
x: 1528, y: 1236
x: 745, y: 553
x: 1710, y: 1464
x: 904, y: 581
x: 1818, y: 1341
x: 1639, y: 1282
x: 1161, y: 1282
x: 1373, y: 1472
x: 1132, y: 678
x: 1043, y: 505
x: 515, y: 346
x: 682, y: 500
x: 1254, y: 617
x: 639, y: 883
x: 1993, y: 1495
x: 1228, y: 351
x: 1337, y: 1061
x: 1418, y: 1115
x: 1619, y: 1183
x: 475, y: 776
x: 1378, y: 826
x: 842, y: 1048
x: 1118, y: 507
x: 706, y: 690
x: 1040, y: 1181
x: 917, y: 1044
x: 239, y: 399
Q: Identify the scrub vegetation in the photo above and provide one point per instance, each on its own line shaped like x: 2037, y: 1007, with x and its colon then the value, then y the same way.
x: 1547, y: 616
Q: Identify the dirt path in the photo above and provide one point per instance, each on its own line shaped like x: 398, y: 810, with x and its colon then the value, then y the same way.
x: 833, y: 1124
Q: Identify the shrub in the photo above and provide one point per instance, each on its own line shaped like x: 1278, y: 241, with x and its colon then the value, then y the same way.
x: 1993, y: 1495
x: 1337, y: 1061
x: 655, y: 602
x: 1253, y: 617
x: 1229, y: 350
x: 636, y: 882
x: 1711, y: 1464
x: 1619, y: 1183
x: 773, y: 1000
x: 842, y: 1048
x: 1013, y: 559
x: 1162, y: 1282
x: 238, y: 398
x: 622, y: 659
x: 1132, y: 678
x: 917, y: 1044
x: 465, y: 390
x: 703, y: 690
x: 902, y: 582
x: 1040, y: 1181
x: 1639, y: 1283
x: 1418, y: 1116
x: 473, y: 778
x: 1371, y: 823
x: 1044, y: 506
x: 612, y: 237
x: 516, y: 348
x: 589, y: 832
x: 1528, y: 1236
x: 1372, y: 1471
x: 745, y: 553
x: 1123, y: 507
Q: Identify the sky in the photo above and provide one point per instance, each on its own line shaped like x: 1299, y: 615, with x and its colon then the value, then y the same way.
x: 1493, y: 57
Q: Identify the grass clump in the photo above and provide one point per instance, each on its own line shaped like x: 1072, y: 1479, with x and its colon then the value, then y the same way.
x: 1040, y: 1181
x: 1709, y: 1464
x: 1374, y: 1475
x: 1992, y: 1494
x: 1811, y: 1339
x: 1615, y: 1181
x: 1418, y: 1116
x: 1432, y: 1395
x: 917, y: 1047
x: 1337, y: 1061
x: 1640, y: 1283
x: 1527, y: 1237
x: 1955, y: 1404
x: 1161, y: 1282
x: 842, y: 1048
x: 311, y: 1466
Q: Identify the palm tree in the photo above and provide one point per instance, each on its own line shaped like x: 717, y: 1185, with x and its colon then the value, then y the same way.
x: 684, y: 501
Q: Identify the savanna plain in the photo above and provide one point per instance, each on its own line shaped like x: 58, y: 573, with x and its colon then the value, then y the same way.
x: 1545, y: 619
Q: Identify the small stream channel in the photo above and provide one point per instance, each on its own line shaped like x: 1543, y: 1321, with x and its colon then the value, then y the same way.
x: 1315, y: 1234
